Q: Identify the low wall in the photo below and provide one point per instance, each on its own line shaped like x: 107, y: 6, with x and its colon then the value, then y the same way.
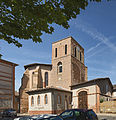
x: 108, y: 107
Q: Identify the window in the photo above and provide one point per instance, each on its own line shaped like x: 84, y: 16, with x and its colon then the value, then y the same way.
x: 59, y: 99
x: 65, y: 49
x: 67, y: 115
x: 106, y: 88
x: 46, y: 78
x: 59, y: 67
x: 91, y: 114
x: 55, y: 52
x: 80, y: 56
x: 75, y: 52
x: 38, y: 100
x: 32, y: 101
x: 65, y: 96
x: 69, y: 99
x: 34, y: 79
x: 80, y: 115
x: 78, y: 52
x: 46, y: 99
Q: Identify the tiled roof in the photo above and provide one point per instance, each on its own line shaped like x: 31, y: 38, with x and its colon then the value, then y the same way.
x: 36, y: 64
x: 47, y: 89
x: 93, y: 81
x: 5, y: 61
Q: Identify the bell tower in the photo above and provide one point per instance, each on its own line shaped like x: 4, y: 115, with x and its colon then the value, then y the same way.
x: 67, y: 63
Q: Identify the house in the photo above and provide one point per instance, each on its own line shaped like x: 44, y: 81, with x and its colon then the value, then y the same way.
x: 89, y: 94
x: 53, y: 88
x: 7, y: 84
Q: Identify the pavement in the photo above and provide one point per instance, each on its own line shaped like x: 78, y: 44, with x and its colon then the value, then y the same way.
x: 101, y: 116
x: 106, y: 116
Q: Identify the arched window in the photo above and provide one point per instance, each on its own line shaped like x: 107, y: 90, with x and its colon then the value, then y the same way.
x: 75, y: 54
x: 69, y: 99
x: 38, y: 99
x: 46, y: 99
x: 65, y: 96
x: 32, y: 79
x: 59, y: 67
x: 32, y: 101
x: 59, y: 99
x: 46, y: 78
x: 55, y: 52
x: 65, y: 49
x: 66, y: 102
x: 80, y: 56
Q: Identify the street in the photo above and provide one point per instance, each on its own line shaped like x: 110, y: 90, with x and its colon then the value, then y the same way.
x: 100, y: 117
x: 107, y: 116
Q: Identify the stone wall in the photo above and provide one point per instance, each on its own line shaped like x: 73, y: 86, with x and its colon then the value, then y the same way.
x: 22, y: 93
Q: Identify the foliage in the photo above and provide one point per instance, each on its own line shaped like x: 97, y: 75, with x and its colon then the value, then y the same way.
x: 29, y: 19
x: 0, y: 56
x: 101, y: 100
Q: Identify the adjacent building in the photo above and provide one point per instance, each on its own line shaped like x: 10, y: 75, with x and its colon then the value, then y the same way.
x: 91, y: 93
x: 7, y: 84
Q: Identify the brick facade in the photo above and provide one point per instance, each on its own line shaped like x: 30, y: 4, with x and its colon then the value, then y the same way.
x: 7, y: 84
x: 73, y: 68
x: 22, y: 93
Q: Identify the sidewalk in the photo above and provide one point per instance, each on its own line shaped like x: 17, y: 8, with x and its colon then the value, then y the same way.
x: 22, y: 114
x: 106, y: 114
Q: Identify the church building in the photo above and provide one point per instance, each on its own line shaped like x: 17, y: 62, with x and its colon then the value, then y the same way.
x: 53, y: 88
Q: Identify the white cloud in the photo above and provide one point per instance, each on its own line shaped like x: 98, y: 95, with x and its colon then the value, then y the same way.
x: 96, y: 35
x: 94, y: 47
x: 94, y: 53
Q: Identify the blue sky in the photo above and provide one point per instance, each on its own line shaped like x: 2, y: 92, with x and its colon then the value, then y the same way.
x: 94, y: 29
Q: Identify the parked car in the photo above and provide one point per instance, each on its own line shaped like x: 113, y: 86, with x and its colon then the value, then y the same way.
x: 9, y: 113
x: 90, y: 115
x: 25, y: 118
x: 41, y: 117
x: 79, y: 114
x: 52, y: 118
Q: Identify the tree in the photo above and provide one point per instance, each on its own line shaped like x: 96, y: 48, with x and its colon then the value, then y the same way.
x: 0, y: 56
x: 29, y: 19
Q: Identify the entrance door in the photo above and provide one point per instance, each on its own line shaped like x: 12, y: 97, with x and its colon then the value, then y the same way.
x: 82, y: 100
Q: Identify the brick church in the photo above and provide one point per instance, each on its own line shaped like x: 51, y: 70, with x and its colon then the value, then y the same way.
x: 53, y: 88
